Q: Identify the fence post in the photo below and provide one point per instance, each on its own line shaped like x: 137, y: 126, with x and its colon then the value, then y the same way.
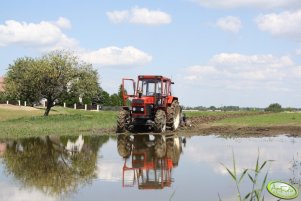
x: 64, y: 105
x: 85, y: 106
x: 19, y: 102
x: 25, y: 103
x: 44, y: 103
x: 75, y: 106
x: 6, y: 102
x: 97, y: 108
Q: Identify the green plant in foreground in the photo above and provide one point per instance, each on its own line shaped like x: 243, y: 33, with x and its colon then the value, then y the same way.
x: 257, y: 188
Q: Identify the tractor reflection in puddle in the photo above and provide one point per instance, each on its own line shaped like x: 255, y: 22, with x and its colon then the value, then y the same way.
x: 148, y: 159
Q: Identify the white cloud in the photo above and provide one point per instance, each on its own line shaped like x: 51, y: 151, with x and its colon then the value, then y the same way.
x: 229, y: 23
x: 44, y: 35
x: 115, y: 56
x: 64, y: 23
x: 286, y: 24
x: 237, y: 71
x: 118, y: 16
x: 139, y: 16
x: 267, y: 4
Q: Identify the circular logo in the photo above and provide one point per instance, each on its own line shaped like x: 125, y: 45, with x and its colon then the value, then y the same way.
x: 282, y: 190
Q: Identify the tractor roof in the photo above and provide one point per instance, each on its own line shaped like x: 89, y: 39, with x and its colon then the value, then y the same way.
x: 152, y: 77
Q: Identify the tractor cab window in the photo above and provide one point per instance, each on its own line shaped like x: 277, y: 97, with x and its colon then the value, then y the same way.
x: 150, y: 87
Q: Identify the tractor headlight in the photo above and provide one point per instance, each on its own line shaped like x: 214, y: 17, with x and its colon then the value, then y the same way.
x: 134, y: 109
x: 142, y: 109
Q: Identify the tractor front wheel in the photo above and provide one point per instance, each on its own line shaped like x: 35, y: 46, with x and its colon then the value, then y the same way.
x: 122, y: 121
x: 160, y: 121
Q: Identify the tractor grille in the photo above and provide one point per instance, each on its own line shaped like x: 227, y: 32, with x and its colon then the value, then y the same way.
x: 147, y: 109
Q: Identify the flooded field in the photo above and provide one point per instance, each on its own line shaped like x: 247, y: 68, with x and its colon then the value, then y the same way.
x: 140, y: 167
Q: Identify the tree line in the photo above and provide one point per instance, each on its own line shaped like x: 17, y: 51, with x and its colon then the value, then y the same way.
x: 59, y: 77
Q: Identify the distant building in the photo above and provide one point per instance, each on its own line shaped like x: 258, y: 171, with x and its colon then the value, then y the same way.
x: 1, y: 84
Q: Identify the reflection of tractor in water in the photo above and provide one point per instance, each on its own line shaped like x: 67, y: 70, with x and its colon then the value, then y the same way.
x: 151, y: 105
x: 148, y: 162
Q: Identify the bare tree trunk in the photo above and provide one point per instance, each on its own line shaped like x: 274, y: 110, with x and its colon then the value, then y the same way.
x: 49, y: 106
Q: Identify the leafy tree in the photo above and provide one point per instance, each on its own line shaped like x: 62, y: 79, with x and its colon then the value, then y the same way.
x: 53, y: 76
x: 212, y: 108
x: 105, y: 98
x: 274, y: 107
x: 3, y: 97
x: 19, y: 80
x: 115, y: 100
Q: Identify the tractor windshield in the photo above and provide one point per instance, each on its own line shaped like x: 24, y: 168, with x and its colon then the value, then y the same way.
x: 150, y: 87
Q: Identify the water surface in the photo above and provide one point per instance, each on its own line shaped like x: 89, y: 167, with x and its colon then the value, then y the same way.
x: 139, y: 168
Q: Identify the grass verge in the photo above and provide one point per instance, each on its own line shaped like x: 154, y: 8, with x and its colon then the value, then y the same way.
x: 270, y: 119
x: 61, y: 121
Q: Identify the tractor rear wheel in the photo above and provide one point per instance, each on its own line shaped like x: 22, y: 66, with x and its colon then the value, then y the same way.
x: 122, y: 121
x: 160, y: 121
x: 173, y: 115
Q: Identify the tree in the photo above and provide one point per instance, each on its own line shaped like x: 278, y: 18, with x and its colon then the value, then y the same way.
x: 105, y: 98
x: 53, y: 76
x: 115, y: 100
x: 274, y: 107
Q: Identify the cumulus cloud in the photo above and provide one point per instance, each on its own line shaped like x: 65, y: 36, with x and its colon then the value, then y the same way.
x: 267, y: 4
x: 238, y: 71
x: 118, y: 16
x: 64, y: 23
x: 229, y: 23
x: 286, y: 24
x: 44, y: 35
x: 139, y: 16
x: 115, y: 56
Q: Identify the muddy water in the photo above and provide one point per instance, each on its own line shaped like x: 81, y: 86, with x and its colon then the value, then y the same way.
x: 139, y: 168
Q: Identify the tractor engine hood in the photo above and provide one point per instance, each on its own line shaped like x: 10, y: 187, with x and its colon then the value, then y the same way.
x: 143, y: 100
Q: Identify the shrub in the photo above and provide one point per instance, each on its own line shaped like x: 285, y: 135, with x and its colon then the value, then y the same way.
x: 274, y: 107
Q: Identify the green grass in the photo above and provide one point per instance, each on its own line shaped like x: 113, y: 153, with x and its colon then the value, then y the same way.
x: 60, y: 122
x: 7, y: 114
x: 272, y: 119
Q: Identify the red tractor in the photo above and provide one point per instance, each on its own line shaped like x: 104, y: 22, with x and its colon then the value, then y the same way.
x: 151, y: 105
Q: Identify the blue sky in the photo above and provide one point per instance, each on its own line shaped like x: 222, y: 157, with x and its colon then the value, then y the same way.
x: 231, y: 52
